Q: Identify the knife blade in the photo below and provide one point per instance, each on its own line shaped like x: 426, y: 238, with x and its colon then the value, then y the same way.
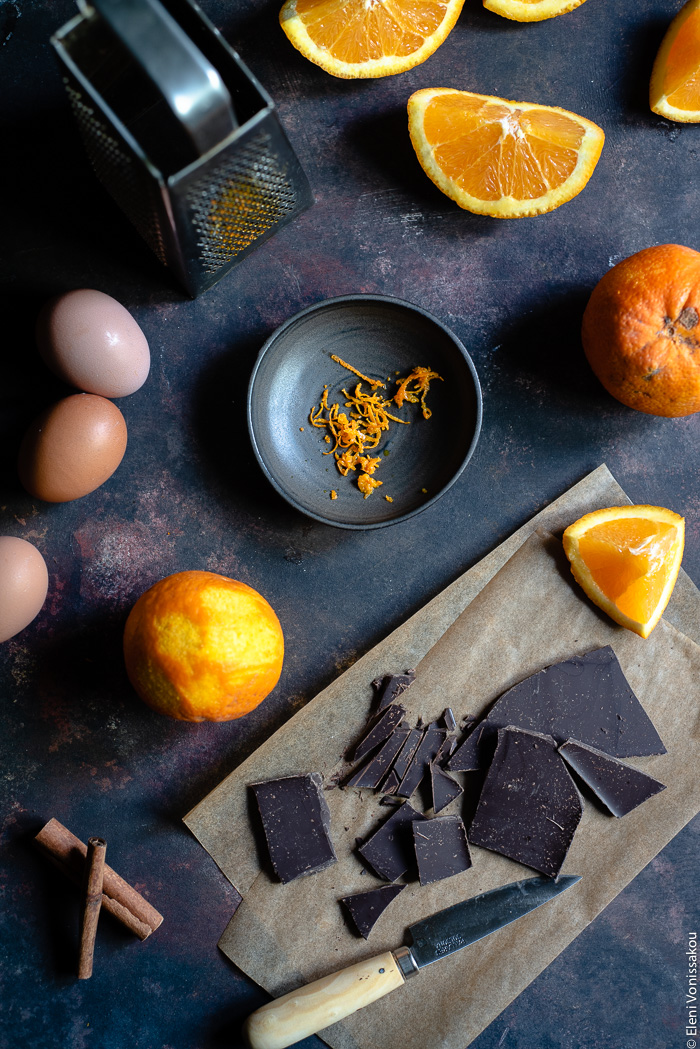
x: 309, y: 1009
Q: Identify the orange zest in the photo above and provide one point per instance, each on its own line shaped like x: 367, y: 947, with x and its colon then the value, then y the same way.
x: 420, y: 378
x: 627, y: 559
x: 674, y: 91
x: 368, y: 38
x: 365, y: 378
x: 500, y: 158
x: 531, y: 10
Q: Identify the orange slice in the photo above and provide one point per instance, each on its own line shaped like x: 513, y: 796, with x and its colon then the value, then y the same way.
x: 674, y: 92
x: 500, y: 158
x: 368, y: 38
x: 531, y: 10
x: 627, y: 558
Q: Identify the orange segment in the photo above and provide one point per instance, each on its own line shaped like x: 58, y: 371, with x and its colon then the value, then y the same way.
x: 368, y: 38
x: 627, y: 559
x: 674, y: 92
x: 531, y: 10
x: 500, y: 158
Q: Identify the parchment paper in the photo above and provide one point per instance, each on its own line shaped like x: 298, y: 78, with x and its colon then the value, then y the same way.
x: 528, y: 615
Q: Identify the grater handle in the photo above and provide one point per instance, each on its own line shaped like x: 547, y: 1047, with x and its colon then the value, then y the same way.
x: 188, y: 82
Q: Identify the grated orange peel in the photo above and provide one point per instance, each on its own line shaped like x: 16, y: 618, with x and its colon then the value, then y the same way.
x: 531, y: 10
x: 674, y: 91
x: 368, y: 38
x: 501, y: 158
x: 627, y: 559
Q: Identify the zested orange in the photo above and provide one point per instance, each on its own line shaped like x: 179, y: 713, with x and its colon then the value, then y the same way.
x: 674, y: 91
x: 627, y: 559
x: 500, y: 158
x: 368, y: 38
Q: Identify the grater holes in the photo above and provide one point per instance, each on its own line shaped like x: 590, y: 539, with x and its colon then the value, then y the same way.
x: 240, y: 200
x: 116, y: 169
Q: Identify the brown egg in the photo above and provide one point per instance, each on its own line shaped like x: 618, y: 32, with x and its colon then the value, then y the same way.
x: 24, y: 581
x: 72, y: 448
x: 90, y: 340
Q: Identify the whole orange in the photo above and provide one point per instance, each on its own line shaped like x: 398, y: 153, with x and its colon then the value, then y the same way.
x: 641, y: 330
x: 201, y: 647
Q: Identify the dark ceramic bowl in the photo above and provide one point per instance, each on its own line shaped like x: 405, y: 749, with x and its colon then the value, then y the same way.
x: 381, y: 337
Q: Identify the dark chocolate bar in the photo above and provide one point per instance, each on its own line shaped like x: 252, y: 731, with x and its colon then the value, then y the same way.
x: 380, y: 730
x: 529, y: 807
x: 296, y: 821
x: 444, y: 788
x: 618, y: 786
x: 365, y: 908
x: 389, y: 851
x: 373, y: 772
x: 441, y: 848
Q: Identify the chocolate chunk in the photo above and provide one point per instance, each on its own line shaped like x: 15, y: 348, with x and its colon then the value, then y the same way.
x: 404, y: 759
x: 444, y: 788
x: 365, y: 908
x: 389, y: 851
x: 586, y: 698
x: 449, y: 719
x: 619, y: 787
x: 390, y: 784
x: 393, y: 685
x: 441, y: 848
x: 432, y: 740
x: 373, y: 772
x: 529, y: 806
x: 447, y: 748
x: 477, y: 749
x: 296, y: 821
x: 380, y: 730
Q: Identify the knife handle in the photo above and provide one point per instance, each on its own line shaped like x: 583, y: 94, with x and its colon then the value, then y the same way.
x: 300, y: 1013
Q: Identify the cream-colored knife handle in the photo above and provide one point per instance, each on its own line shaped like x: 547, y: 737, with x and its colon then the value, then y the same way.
x: 300, y: 1013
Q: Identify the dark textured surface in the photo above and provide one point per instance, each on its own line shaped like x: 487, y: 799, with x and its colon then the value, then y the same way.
x: 76, y: 742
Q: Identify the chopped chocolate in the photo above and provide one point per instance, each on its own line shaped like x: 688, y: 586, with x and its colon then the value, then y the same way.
x: 529, y: 806
x: 449, y: 719
x: 296, y: 820
x: 444, y: 788
x: 389, y: 851
x: 446, y: 750
x: 618, y: 786
x: 373, y: 772
x: 391, y: 783
x: 365, y: 908
x: 476, y: 750
x: 380, y: 730
x: 432, y: 740
x: 408, y: 750
x: 586, y: 698
x: 441, y: 848
x: 392, y: 686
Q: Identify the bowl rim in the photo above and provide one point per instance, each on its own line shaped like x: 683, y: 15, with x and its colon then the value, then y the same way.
x: 384, y: 300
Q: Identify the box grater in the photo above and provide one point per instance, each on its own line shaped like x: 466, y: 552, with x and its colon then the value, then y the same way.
x: 180, y: 133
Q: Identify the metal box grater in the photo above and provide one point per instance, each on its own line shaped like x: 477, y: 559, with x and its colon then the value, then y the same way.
x: 201, y: 202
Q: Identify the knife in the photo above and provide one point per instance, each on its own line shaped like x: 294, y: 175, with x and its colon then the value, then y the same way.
x: 300, y: 1013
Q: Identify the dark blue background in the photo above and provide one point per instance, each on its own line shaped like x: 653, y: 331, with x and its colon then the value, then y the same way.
x: 75, y: 742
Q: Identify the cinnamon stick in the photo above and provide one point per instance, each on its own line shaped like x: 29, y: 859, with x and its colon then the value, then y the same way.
x: 92, y: 903
x: 118, y: 897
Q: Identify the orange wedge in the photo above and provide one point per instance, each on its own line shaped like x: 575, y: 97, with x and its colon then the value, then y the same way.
x: 368, y: 38
x: 627, y: 558
x: 531, y: 10
x: 674, y: 92
x: 500, y: 158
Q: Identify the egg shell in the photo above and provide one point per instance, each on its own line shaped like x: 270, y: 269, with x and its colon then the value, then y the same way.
x: 24, y: 581
x: 91, y: 340
x: 72, y: 448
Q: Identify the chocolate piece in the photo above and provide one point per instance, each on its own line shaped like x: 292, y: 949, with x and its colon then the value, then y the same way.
x: 449, y: 719
x: 296, y: 821
x: 619, y: 787
x: 477, y: 749
x: 373, y: 772
x: 404, y: 759
x: 393, y: 686
x: 529, y: 806
x: 446, y: 750
x: 586, y: 698
x: 380, y: 730
x: 390, y: 783
x: 444, y: 788
x: 389, y: 851
x: 441, y: 848
x: 432, y: 740
x: 365, y: 908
